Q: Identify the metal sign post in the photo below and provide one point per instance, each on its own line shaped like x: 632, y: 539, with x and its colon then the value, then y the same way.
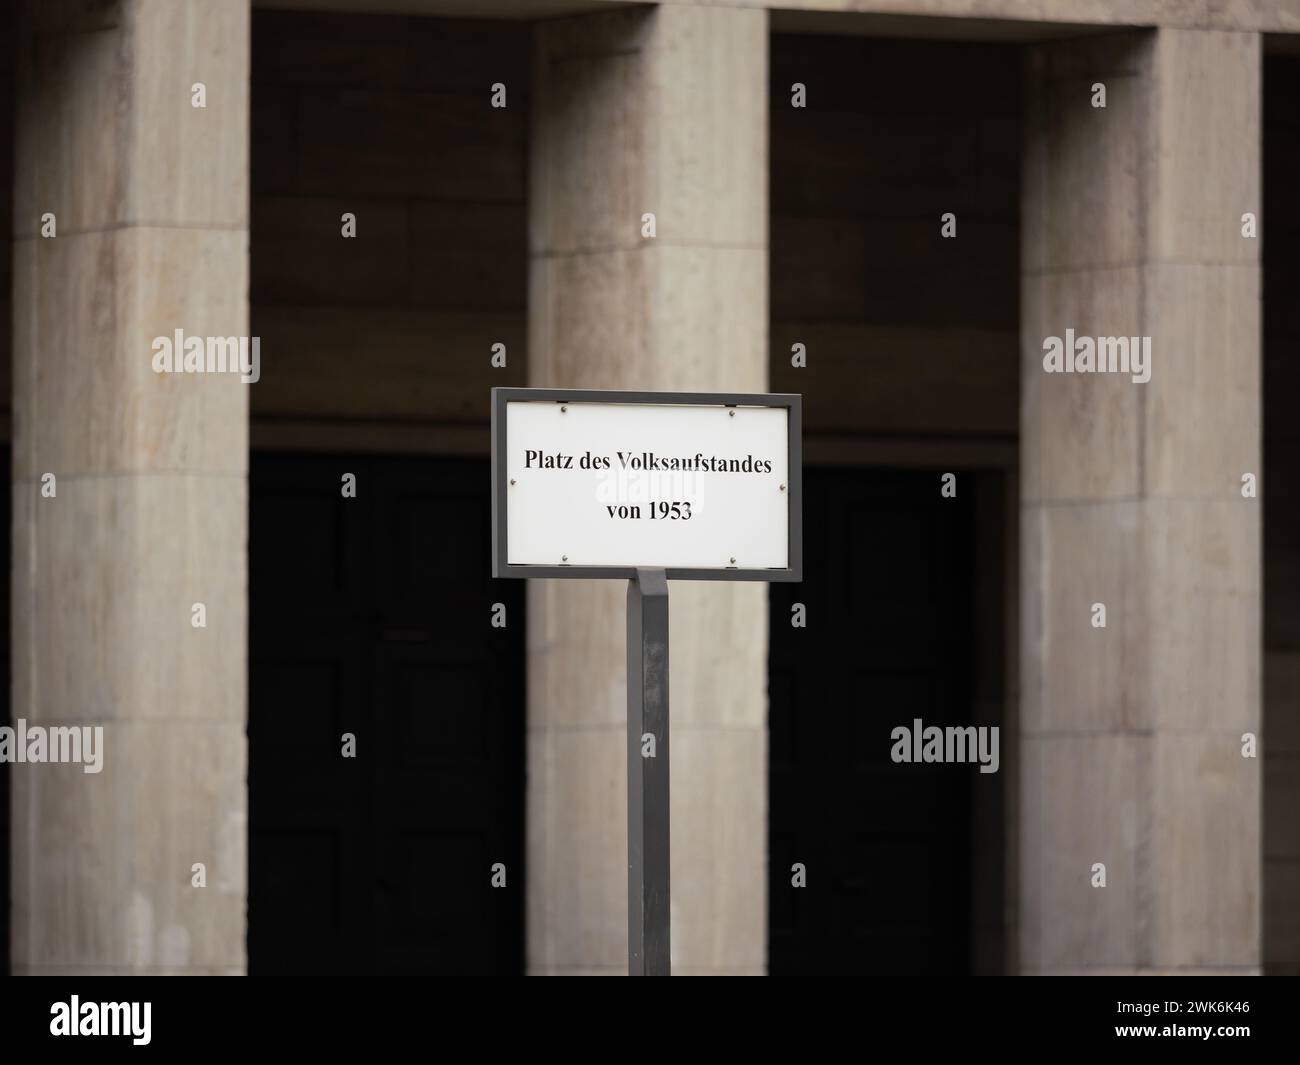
x: 647, y: 487
x: 648, y: 932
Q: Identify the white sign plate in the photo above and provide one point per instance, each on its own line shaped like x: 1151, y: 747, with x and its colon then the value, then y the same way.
x: 655, y: 485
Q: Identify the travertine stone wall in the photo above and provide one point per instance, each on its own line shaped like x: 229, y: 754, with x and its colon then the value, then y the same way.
x: 149, y: 512
x: 1131, y: 496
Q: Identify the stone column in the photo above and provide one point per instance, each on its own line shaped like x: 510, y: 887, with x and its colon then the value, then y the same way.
x: 1132, y: 734
x: 657, y: 111
x: 129, y: 487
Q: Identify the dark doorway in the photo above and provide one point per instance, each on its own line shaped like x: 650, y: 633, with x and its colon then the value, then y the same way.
x: 1280, y: 498
x: 371, y: 616
x: 888, y: 591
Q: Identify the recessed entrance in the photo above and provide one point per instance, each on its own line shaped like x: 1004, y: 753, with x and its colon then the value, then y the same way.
x: 370, y: 619
x: 894, y: 265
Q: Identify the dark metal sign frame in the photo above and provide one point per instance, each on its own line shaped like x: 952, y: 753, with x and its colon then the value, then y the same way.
x: 501, y: 566
x: 648, y: 874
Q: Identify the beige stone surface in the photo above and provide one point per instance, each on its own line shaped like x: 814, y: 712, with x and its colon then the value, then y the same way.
x: 188, y: 166
x: 117, y: 890
x: 718, y: 342
x: 111, y: 628
x: 61, y: 86
x: 25, y: 329
x: 719, y: 893
x: 589, y: 321
x: 577, y: 854
x: 1029, y: 366
x: 1082, y: 802
x: 1202, y: 424
x: 689, y: 156
x: 150, y: 511
x: 101, y: 299
x: 685, y: 311
x: 568, y: 622
x: 1202, y: 575
x: 1157, y: 174
x: 1131, y: 495
x: 1079, y: 431
x: 1083, y: 169
x: 706, y: 141
x: 1206, y: 159
x: 1205, y: 867
x: 718, y: 650
x: 1077, y: 678
x: 610, y: 319
x: 144, y: 154
x: 587, y: 176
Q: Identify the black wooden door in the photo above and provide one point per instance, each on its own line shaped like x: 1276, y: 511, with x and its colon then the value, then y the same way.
x: 887, y: 591
x: 371, y: 616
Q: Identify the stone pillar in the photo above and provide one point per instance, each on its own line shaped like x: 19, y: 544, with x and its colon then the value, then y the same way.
x: 1132, y: 497
x: 148, y: 512
x: 662, y: 111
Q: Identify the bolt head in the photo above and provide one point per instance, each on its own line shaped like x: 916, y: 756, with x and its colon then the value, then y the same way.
x: 564, y: 558
x: 733, y: 561
x: 731, y: 413
x: 782, y: 487
x: 512, y: 481
x: 564, y: 410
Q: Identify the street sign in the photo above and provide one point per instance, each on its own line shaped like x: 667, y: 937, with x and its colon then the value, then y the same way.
x: 593, y: 483
x: 650, y: 487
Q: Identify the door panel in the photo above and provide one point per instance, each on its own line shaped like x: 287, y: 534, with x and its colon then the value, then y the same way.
x: 888, y: 588
x: 371, y: 616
